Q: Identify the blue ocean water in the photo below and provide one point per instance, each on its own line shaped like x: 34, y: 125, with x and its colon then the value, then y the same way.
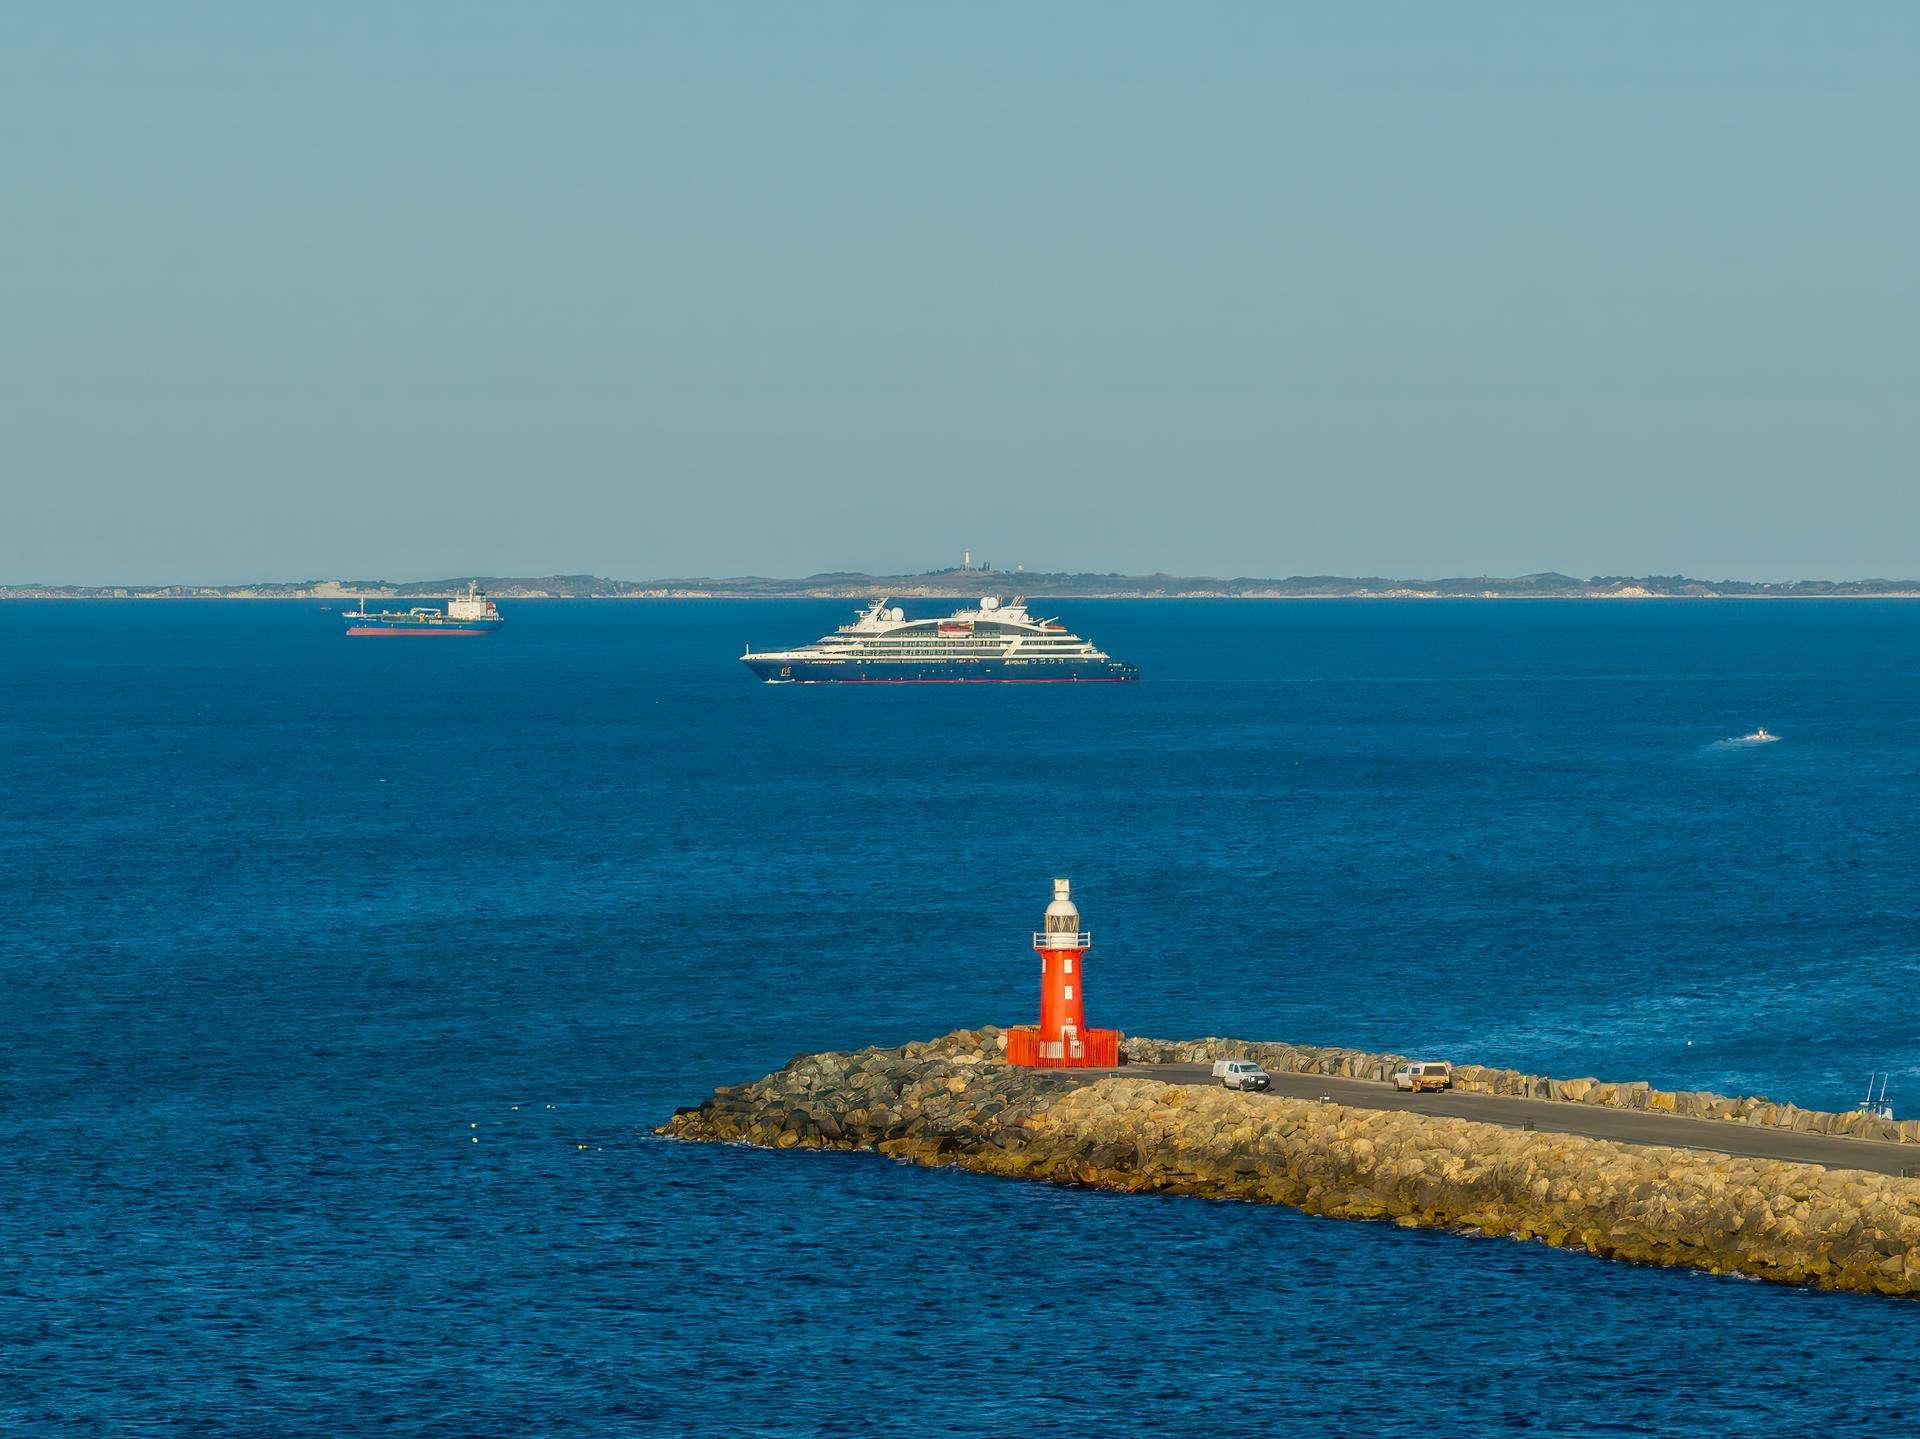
x: 291, y: 922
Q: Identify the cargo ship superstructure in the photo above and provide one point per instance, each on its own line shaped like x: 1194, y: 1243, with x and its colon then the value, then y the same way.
x: 466, y: 616
x: 993, y: 644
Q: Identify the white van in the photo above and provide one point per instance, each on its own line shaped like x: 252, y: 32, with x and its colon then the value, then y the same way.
x: 1424, y: 1074
x: 1241, y: 1074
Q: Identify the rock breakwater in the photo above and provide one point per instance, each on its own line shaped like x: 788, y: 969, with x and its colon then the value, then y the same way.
x: 1483, y: 1079
x: 955, y: 1101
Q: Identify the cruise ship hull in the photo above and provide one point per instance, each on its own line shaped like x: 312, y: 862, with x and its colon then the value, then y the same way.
x: 942, y: 672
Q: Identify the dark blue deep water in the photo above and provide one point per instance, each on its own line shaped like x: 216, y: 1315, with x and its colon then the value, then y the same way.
x: 288, y: 921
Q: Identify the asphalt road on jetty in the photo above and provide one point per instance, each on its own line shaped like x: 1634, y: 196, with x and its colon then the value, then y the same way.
x: 1624, y: 1126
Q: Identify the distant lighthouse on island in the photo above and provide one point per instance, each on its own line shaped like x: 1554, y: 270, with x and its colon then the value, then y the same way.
x: 1062, y: 1040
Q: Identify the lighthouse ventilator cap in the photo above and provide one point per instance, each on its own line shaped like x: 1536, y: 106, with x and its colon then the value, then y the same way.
x: 1062, y: 917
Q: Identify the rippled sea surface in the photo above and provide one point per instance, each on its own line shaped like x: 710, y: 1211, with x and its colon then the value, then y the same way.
x: 344, y: 978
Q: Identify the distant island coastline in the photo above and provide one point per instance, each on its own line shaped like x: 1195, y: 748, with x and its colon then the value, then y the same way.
x: 962, y: 581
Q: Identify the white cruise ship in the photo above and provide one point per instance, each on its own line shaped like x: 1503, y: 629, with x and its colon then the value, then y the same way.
x: 993, y: 644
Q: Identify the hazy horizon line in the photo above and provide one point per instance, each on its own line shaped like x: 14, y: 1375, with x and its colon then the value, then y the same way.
x: 953, y: 573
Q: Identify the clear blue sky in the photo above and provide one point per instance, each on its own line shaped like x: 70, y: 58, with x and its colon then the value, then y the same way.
x: 643, y: 289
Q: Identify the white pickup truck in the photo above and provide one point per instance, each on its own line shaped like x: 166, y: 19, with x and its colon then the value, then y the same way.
x: 1241, y: 1074
x: 1423, y: 1074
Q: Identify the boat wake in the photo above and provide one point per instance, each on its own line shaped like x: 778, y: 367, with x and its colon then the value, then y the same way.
x: 1745, y: 741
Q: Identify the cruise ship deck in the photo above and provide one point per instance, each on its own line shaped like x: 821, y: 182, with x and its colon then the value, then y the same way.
x: 993, y: 643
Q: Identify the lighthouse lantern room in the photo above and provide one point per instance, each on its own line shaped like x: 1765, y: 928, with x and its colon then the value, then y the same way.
x: 1062, y: 1040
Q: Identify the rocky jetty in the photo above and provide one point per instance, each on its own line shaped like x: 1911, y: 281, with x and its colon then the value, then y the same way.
x: 1482, y: 1079
x: 956, y: 1101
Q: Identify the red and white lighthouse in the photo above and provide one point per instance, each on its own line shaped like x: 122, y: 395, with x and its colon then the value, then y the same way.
x: 1062, y: 1040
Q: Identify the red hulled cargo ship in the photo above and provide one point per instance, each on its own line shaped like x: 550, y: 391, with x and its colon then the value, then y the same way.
x: 469, y: 615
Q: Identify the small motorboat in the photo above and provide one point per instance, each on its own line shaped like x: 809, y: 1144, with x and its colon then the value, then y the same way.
x: 1759, y: 736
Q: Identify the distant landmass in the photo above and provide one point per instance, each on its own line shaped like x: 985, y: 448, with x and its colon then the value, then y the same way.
x: 964, y: 581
